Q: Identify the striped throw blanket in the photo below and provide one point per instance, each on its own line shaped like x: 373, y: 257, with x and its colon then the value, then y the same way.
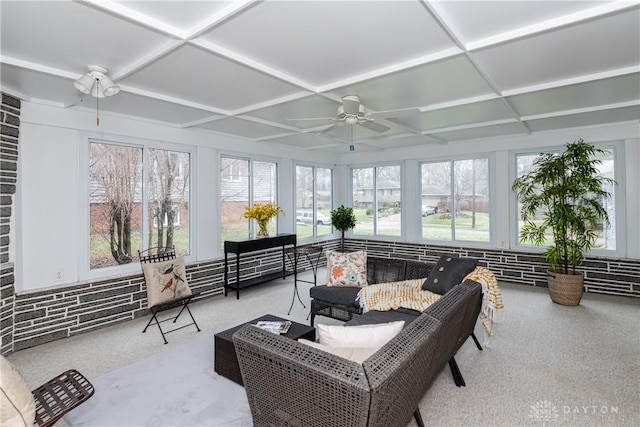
x: 409, y: 294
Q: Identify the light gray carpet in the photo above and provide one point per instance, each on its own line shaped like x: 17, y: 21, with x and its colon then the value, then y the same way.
x: 546, y: 365
x: 174, y: 387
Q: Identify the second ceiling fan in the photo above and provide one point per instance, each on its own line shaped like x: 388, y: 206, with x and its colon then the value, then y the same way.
x: 352, y: 112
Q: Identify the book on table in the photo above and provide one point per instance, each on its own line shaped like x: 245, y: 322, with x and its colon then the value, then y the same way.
x: 274, y: 326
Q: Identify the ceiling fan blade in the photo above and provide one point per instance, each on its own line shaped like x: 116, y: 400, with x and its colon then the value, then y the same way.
x: 376, y: 127
x: 351, y: 104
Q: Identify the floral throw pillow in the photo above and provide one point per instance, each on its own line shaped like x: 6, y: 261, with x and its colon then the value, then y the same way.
x: 166, y: 281
x: 347, y: 269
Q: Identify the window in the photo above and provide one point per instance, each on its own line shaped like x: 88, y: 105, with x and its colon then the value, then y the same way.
x: 120, y: 225
x: 377, y: 200
x: 313, y: 201
x: 606, y: 233
x: 256, y: 183
x: 455, y: 200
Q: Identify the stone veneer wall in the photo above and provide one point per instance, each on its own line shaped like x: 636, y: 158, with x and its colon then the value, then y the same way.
x: 602, y: 275
x: 9, y: 130
x: 52, y: 314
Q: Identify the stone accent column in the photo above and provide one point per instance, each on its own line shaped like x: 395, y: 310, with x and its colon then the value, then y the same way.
x: 9, y: 131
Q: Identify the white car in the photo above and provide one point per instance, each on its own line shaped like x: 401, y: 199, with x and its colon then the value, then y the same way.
x: 307, y: 218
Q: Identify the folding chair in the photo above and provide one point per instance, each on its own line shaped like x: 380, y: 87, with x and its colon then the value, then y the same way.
x: 167, y: 287
x: 45, y: 405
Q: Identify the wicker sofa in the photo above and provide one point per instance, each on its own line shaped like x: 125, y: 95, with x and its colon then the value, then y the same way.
x: 290, y: 383
x: 340, y: 302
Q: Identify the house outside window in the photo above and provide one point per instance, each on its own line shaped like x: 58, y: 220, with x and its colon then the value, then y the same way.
x: 377, y: 200
x: 256, y: 183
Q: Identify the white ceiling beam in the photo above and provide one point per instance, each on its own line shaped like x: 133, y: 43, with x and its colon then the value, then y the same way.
x: 228, y: 12
x: 469, y: 126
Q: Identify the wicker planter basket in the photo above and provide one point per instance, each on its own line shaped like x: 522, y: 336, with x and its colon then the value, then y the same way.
x: 565, y: 289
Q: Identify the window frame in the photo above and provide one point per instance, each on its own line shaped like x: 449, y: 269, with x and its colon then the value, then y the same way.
x: 491, y: 188
x: 84, y: 270
x: 252, y: 228
x: 403, y: 170
x: 618, y: 191
x: 314, y: 208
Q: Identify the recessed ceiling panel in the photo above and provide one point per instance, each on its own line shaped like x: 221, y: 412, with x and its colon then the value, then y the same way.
x: 243, y: 128
x: 585, y: 119
x: 477, y: 20
x: 307, y: 141
x: 321, y: 42
x: 595, y: 93
x: 71, y: 35
x: 208, y: 79
x: 482, y: 132
x: 38, y: 86
x: 566, y: 53
x: 442, y: 81
x: 477, y: 112
x: 183, y: 15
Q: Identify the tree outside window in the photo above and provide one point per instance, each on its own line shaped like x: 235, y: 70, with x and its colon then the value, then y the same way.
x: 116, y: 201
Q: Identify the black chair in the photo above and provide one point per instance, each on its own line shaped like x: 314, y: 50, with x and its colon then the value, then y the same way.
x: 164, y: 255
x: 60, y: 395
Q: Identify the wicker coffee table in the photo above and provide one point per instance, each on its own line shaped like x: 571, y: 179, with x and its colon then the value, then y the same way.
x: 225, y: 359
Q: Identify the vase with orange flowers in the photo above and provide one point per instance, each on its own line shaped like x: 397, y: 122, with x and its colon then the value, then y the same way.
x: 262, y: 213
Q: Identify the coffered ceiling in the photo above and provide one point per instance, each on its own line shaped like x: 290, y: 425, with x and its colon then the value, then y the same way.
x: 437, y: 72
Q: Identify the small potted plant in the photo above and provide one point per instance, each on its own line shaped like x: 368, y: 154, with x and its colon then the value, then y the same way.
x: 564, y: 193
x: 342, y: 220
x: 262, y: 213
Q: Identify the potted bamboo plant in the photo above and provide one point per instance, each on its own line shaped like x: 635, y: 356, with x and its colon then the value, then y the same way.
x: 564, y: 194
x: 342, y: 220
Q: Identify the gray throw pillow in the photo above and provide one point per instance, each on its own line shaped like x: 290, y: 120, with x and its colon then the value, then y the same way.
x: 448, y: 272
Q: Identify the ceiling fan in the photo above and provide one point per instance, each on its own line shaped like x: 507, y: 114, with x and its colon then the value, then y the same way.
x: 351, y: 112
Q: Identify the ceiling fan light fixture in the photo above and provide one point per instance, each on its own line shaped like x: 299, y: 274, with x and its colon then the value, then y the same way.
x: 96, y: 83
x: 351, y: 120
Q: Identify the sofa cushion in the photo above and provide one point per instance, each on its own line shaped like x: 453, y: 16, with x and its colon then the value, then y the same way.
x: 448, y: 272
x: 374, y: 317
x: 17, y: 405
x: 347, y: 268
x: 356, y: 354
x: 363, y: 336
x: 335, y: 295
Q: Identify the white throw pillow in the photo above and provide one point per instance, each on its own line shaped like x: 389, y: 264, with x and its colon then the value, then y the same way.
x: 357, y: 355
x: 347, y: 268
x: 17, y: 405
x: 362, y: 336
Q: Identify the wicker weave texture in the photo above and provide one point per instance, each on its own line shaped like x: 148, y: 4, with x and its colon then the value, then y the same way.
x: 288, y: 383
x: 401, y: 372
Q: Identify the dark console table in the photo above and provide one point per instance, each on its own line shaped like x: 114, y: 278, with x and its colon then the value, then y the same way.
x: 243, y: 246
